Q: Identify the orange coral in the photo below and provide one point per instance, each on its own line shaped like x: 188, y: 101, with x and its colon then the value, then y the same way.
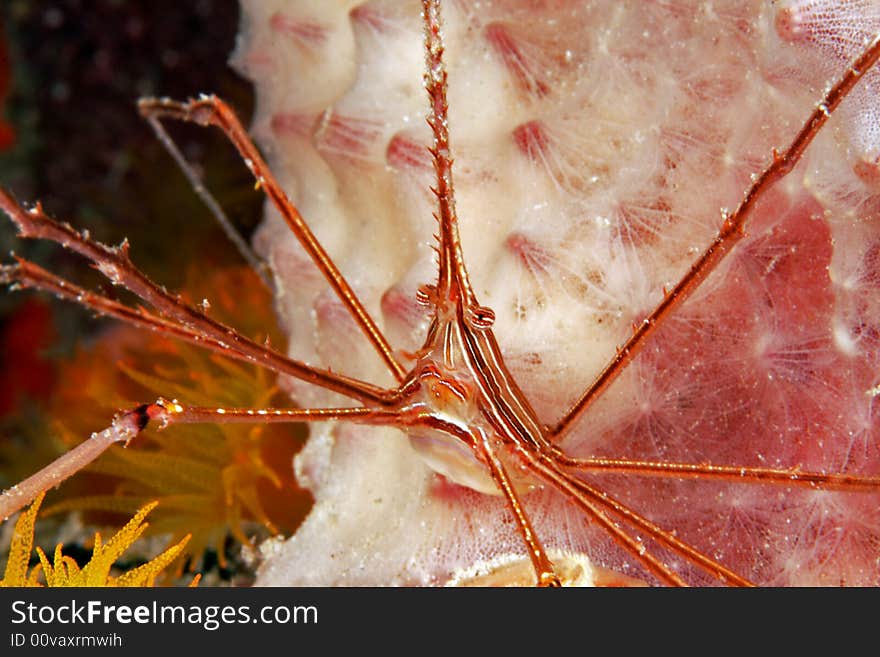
x: 211, y: 480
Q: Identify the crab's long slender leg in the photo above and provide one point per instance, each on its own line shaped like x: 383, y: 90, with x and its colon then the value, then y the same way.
x: 216, y: 210
x: 538, y: 555
x: 113, y: 262
x: 590, y: 499
x: 165, y: 413
x: 792, y: 477
x: 560, y: 481
x: 177, y: 413
x: 27, y: 274
x: 123, y: 429
x: 210, y: 110
x: 732, y: 231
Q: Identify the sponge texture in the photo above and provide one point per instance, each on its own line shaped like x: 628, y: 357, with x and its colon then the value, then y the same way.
x: 597, y: 145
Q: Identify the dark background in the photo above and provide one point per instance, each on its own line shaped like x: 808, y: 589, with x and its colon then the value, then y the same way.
x: 70, y: 74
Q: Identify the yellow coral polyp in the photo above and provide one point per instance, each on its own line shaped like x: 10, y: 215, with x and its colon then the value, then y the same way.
x: 212, y: 481
x: 64, y: 571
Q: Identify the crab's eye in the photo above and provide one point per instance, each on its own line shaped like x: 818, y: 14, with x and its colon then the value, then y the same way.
x: 426, y: 295
x: 481, y: 317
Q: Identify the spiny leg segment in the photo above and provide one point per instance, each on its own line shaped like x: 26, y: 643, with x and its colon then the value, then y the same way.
x: 546, y: 576
x: 792, y: 477
x: 164, y: 413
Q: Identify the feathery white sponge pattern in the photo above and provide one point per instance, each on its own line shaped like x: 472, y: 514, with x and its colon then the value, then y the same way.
x: 595, y: 145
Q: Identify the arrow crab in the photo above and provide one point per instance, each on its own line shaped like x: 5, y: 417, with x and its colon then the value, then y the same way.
x: 728, y: 436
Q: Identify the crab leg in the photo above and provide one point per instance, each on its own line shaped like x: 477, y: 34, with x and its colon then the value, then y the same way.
x: 164, y: 413
x: 122, y: 430
x: 228, y: 343
x: 210, y: 110
x: 546, y: 576
x: 733, y: 473
x: 589, y: 499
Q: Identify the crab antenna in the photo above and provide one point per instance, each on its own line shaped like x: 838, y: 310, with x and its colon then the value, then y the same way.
x: 452, y: 281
